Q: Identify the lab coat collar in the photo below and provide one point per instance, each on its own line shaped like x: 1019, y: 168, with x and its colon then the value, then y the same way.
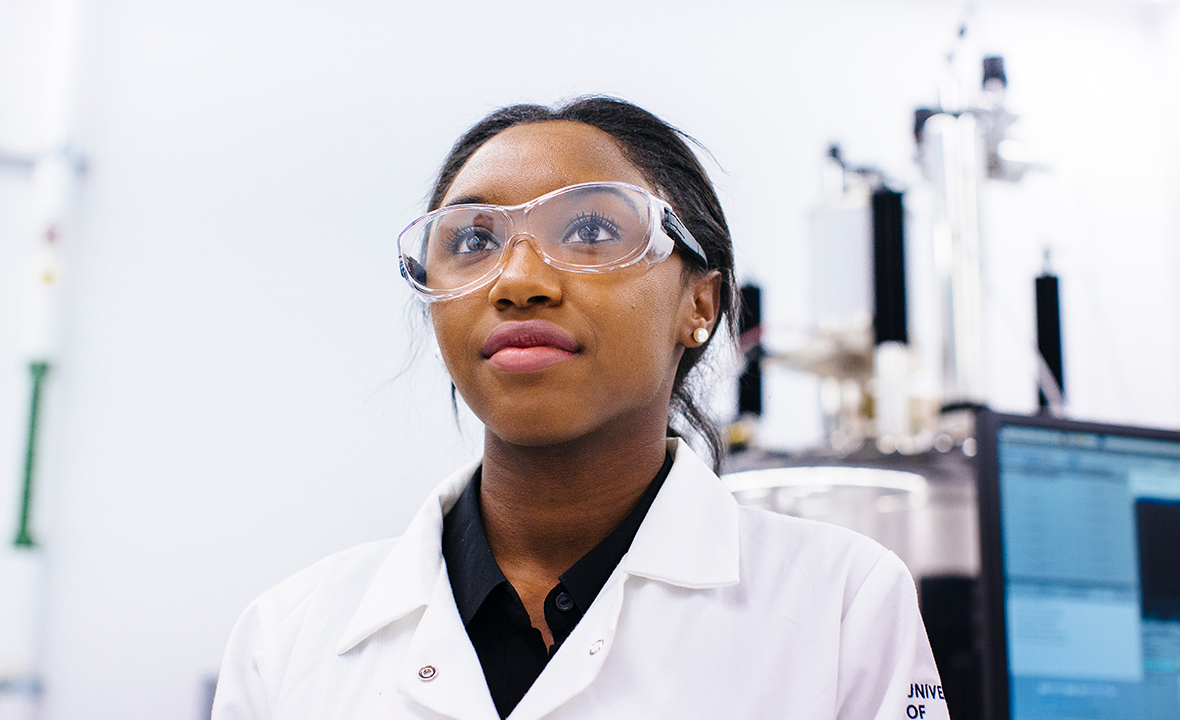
x: 689, y: 539
x: 690, y: 536
x: 407, y: 578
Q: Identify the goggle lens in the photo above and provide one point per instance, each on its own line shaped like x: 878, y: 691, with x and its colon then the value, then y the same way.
x: 595, y: 227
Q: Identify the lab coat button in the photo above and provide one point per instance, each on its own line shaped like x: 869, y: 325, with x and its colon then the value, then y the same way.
x: 595, y: 647
x: 564, y: 602
x: 427, y: 672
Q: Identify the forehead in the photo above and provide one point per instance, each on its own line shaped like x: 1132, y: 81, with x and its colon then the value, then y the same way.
x: 527, y: 161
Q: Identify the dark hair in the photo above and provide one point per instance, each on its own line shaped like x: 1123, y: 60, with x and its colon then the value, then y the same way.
x: 662, y: 156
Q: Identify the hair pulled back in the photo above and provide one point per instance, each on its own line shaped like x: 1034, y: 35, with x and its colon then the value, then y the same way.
x: 660, y: 153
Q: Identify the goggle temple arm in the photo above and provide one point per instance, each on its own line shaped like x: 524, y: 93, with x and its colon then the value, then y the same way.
x: 682, y: 236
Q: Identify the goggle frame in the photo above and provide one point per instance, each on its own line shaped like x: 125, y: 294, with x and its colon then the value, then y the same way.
x: 654, y: 251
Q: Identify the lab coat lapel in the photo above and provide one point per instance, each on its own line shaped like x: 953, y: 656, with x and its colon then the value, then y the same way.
x: 407, y: 579
x: 580, y: 658
x: 441, y: 670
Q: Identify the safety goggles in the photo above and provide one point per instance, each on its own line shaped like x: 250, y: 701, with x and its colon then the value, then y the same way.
x: 594, y: 227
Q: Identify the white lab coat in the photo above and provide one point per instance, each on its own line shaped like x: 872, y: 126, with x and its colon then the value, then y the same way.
x: 716, y: 611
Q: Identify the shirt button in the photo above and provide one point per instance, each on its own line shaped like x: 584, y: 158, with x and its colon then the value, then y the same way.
x: 427, y: 672
x: 564, y: 602
x: 596, y: 647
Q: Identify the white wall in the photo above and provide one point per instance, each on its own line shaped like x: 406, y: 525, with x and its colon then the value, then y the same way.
x: 227, y: 407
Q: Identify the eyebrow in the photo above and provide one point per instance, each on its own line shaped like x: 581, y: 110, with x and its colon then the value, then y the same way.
x: 466, y: 200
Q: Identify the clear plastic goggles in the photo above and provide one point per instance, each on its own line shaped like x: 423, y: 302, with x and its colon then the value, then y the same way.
x: 589, y: 228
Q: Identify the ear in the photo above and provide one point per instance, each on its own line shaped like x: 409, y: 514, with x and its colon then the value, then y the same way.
x: 702, y: 307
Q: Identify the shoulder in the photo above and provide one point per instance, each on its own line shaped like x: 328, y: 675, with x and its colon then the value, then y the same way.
x: 312, y: 605
x: 826, y: 558
x: 800, y: 539
x: 345, y: 575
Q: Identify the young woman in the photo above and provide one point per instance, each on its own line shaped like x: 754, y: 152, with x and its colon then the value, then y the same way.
x: 576, y: 263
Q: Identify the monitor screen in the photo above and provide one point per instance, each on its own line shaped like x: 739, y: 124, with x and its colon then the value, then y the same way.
x: 1081, y: 569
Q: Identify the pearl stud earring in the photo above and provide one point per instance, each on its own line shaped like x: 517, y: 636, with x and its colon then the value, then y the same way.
x: 700, y: 335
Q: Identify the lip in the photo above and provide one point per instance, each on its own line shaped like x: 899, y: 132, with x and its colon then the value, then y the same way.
x: 527, y: 346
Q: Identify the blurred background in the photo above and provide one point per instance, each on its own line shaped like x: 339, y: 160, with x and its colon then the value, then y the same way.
x: 198, y: 208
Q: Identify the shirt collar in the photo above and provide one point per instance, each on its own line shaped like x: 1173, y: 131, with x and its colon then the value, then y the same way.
x: 689, y: 539
x: 474, y: 573
x: 473, y: 570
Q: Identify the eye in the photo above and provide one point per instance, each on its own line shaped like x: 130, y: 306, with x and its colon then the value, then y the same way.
x: 591, y: 229
x: 471, y: 240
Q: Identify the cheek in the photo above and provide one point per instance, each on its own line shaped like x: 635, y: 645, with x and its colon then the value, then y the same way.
x: 448, y: 320
x: 438, y: 326
x: 640, y: 331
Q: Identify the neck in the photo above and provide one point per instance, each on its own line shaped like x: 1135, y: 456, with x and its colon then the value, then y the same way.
x: 545, y: 507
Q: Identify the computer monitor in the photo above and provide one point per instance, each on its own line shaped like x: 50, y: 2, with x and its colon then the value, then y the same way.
x: 1080, y: 542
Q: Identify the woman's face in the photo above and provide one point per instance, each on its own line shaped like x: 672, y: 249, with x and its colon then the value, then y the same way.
x: 545, y: 356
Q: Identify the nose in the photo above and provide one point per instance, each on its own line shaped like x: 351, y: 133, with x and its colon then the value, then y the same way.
x: 526, y: 278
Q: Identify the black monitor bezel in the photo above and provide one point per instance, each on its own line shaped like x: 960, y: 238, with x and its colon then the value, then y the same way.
x: 994, y: 648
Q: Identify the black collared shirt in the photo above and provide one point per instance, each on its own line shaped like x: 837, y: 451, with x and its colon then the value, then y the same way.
x: 511, y: 651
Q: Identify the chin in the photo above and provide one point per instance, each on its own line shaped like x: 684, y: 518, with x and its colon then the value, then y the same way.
x: 533, y: 433
x: 533, y: 417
